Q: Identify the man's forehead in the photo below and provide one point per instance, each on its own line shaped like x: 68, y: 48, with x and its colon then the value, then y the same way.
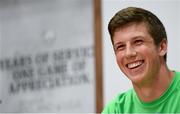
x: 131, y: 24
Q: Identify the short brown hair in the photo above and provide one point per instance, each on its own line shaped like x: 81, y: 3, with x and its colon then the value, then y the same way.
x: 133, y: 14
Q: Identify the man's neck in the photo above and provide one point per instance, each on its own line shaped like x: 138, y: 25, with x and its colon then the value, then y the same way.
x: 156, y: 87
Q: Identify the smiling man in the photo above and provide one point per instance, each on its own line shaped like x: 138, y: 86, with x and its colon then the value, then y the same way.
x: 140, y: 44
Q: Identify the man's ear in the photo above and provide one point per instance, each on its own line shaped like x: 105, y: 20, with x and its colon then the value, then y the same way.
x: 163, y: 47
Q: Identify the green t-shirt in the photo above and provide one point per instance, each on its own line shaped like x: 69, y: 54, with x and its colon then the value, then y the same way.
x: 128, y: 102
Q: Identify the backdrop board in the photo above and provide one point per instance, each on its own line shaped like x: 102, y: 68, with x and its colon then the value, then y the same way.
x: 47, y: 56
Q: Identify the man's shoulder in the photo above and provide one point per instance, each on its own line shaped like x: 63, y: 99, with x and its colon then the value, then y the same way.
x: 176, y: 76
x: 118, y: 104
x: 121, y: 98
x: 177, y: 79
x: 177, y: 73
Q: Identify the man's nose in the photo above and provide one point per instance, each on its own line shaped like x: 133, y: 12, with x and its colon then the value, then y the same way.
x: 130, y: 51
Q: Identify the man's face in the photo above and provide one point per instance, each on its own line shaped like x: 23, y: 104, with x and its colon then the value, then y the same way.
x: 136, y: 54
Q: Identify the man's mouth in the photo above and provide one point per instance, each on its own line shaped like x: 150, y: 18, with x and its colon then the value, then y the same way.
x: 135, y: 64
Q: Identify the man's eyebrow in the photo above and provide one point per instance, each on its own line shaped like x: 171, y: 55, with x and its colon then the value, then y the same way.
x: 137, y: 37
x: 134, y: 38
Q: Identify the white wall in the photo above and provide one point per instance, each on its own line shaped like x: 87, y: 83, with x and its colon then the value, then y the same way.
x: 169, y: 13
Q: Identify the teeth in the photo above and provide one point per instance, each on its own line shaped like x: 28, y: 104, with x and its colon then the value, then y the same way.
x: 135, y: 64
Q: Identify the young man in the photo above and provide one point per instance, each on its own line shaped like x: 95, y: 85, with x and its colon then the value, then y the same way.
x: 140, y: 44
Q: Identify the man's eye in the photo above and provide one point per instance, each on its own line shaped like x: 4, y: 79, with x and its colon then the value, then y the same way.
x: 119, y: 47
x: 138, y: 42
